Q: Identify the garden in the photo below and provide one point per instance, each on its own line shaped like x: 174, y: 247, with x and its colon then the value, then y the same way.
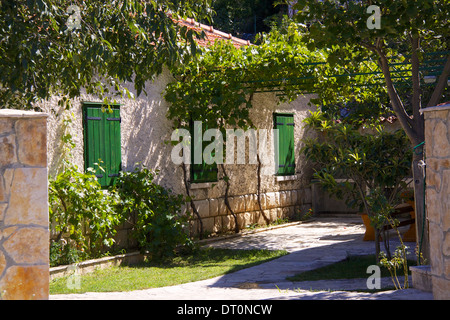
x: 357, y: 75
x: 85, y: 218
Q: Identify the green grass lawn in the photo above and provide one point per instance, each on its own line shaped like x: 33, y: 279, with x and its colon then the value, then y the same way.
x: 202, y: 264
x: 351, y: 268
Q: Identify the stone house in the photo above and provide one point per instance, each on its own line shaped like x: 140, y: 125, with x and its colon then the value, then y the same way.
x: 137, y: 131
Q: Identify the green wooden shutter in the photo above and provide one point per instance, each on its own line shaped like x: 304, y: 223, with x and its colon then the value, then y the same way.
x: 285, y: 149
x: 102, y: 142
x: 113, y: 148
x: 201, y: 172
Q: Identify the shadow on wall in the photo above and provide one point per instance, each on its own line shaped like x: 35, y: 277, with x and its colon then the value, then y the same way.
x: 57, y: 149
x: 145, y: 132
x: 56, y: 144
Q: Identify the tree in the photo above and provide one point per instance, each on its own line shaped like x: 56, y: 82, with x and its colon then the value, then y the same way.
x: 245, y: 18
x: 373, y: 164
x: 52, y: 47
x: 349, y: 30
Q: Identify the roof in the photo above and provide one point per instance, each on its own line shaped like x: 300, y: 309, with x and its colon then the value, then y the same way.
x: 446, y: 104
x: 390, y: 119
x: 212, y: 34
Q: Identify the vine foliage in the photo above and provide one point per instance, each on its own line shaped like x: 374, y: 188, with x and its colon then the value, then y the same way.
x: 218, y: 87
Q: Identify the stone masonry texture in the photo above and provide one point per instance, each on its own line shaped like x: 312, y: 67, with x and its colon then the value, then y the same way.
x: 24, y: 231
x: 437, y: 141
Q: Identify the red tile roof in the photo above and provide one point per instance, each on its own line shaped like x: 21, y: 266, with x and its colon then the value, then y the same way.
x: 390, y: 119
x: 212, y: 34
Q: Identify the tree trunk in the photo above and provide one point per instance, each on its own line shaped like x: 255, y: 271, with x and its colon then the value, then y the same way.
x: 414, y: 129
x: 419, y: 199
x: 377, y: 243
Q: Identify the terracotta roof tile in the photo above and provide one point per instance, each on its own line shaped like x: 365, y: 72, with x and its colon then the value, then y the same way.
x: 212, y: 34
x: 390, y: 119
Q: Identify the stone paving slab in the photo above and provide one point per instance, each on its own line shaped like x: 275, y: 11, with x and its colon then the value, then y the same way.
x: 310, y: 245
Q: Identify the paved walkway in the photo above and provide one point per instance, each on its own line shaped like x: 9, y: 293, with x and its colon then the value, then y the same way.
x: 310, y: 245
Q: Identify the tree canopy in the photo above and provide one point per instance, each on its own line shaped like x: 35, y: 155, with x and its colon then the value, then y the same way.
x: 407, y: 30
x: 412, y: 35
x: 55, y: 47
x: 219, y: 86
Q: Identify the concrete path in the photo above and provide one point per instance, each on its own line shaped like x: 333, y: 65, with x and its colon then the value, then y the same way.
x: 310, y: 245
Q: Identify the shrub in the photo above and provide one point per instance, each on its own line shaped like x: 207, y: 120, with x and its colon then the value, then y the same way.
x: 82, y: 216
x: 159, y: 226
x: 373, y: 165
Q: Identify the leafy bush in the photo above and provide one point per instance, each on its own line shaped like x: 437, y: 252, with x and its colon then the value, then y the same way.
x: 63, y: 254
x: 82, y: 216
x: 375, y: 160
x: 371, y: 166
x: 159, y: 226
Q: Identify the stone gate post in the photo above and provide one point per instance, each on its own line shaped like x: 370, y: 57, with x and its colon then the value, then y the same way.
x: 437, y: 142
x: 24, y: 231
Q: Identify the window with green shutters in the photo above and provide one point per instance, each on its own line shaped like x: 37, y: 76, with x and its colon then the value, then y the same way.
x: 201, y: 172
x: 102, y: 143
x: 284, y: 149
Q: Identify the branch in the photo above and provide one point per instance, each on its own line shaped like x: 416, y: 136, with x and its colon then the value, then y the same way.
x: 193, y: 207
x: 227, y: 203
x: 362, y: 193
x: 370, y: 46
x: 442, y: 82
x: 416, y: 101
x: 267, y: 220
x: 64, y: 230
x: 397, y: 104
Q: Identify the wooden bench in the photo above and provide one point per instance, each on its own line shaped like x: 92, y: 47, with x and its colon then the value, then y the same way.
x: 409, y: 235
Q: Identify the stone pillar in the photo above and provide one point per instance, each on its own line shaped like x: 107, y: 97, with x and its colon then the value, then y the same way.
x: 24, y: 230
x: 437, y: 142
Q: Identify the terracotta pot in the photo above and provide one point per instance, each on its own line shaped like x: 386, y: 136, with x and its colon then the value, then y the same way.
x: 370, y: 231
x: 410, y: 235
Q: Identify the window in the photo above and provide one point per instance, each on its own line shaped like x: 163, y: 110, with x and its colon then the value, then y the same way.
x: 102, y: 141
x: 201, y: 172
x: 284, y: 149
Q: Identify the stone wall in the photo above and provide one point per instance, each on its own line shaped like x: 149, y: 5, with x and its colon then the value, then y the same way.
x: 24, y: 232
x: 437, y: 141
x: 217, y: 219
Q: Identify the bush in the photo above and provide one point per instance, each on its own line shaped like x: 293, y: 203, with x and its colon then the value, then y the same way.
x: 379, y: 160
x: 82, y: 215
x: 159, y: 226
x: 63, y: 254
x: 373, y: 166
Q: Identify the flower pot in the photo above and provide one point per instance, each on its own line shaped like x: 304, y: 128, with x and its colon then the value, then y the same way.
x: 410, y: 234
x: 370, y: 231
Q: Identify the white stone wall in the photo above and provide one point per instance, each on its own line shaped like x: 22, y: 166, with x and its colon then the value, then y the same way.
x: 145, y: 128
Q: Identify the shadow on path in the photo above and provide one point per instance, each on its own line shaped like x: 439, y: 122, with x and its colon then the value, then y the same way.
x: 311, y: 246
